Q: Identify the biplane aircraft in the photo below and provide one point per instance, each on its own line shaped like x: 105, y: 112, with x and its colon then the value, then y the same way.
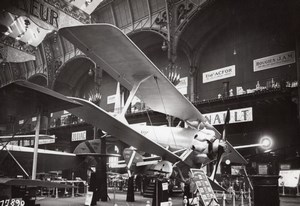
x: 113, y: 51
x: 192, y: 146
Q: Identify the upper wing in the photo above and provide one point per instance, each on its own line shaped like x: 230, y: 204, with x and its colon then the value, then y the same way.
x: 96, y: 116
x: 113, y: 51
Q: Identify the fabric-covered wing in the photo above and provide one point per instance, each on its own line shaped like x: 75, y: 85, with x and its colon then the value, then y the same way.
x: 96, y: 116
x: 48, y: 160
x: 113, y: 51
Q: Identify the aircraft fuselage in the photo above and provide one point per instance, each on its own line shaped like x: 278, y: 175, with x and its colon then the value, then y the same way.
x: 174, y: 138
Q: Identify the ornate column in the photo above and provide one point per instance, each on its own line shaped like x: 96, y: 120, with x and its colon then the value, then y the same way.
x: 191, y: 85
x: 172, y: 36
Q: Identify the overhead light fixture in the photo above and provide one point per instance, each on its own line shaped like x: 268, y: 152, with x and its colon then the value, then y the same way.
x: 90, y: 73
x: 227, y: 162
x: 164, y: 46
x: 234, y: 51
x: 172, y: 72
x: 266, y: 142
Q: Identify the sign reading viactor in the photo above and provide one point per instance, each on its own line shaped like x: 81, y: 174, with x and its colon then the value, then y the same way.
x: 218, y: 74
x: 274, y: 61
x: 236, y: 116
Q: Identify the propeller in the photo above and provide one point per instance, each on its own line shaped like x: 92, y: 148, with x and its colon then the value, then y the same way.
x: 220, y: 148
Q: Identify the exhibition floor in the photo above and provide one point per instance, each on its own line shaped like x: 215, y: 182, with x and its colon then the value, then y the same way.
x: 120, y: 200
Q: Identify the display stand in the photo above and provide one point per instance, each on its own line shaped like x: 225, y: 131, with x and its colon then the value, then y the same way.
x: 203, y: 187
x: 289, y: 179
x: 266, y: 184
x: 161, y: 193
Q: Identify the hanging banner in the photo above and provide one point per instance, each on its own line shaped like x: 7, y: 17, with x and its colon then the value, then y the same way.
x: 78, y: 136
x: 236, y: 116
x: 218, y: 74
x: 274, y: 61
x: 182, y: 85
x: 111, y: 99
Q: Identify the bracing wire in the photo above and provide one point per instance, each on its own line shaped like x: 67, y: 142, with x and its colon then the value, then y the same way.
x: 149, y: 118
x: 164, y: 108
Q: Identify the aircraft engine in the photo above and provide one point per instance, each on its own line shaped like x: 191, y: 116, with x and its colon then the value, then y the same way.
x: 206, y: 145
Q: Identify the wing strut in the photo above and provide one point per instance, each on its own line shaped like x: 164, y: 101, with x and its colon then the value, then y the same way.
x: 132, y: 94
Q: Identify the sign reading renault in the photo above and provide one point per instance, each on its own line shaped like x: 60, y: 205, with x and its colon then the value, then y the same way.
x: 218, y: 74
x: 274, y: 61
x: 236, y: 116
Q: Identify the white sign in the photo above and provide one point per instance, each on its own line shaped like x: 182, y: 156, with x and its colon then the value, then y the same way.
x: 111, y: 99
x: 263, y: 169
x: 27, y: 142
x: 46, y: 141
x: 289, y: 178
x: 182, y: 85
x: 88, y: 198
x: 165, y: 186
x: 274, y: 61
x: 236, y: 116
x: 218, y: 74
x: 285, y: 166
x: 78, y: 136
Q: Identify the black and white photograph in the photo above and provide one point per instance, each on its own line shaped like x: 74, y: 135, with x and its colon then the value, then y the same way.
x: 149, y: 102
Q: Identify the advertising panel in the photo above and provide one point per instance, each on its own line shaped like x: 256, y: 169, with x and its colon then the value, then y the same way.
x: 274, y: 61
x: 218, y: 74
x: 236, y: 116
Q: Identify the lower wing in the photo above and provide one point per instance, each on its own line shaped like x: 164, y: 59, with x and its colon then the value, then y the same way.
x: 96, y: 116
x: 48, y: 160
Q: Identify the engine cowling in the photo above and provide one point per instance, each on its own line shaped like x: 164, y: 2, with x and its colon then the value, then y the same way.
x: 206, y: 146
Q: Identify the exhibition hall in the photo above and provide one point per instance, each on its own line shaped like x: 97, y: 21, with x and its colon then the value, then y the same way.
x: 149, y: 102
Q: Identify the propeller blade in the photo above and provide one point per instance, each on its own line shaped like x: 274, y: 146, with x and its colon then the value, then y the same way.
x: 227, y: 119
x: 221, y: 149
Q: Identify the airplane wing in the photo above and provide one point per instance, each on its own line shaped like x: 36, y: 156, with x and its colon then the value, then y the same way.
x: 48, y: 160
x: 113, y: 51
x: 96, y: 116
